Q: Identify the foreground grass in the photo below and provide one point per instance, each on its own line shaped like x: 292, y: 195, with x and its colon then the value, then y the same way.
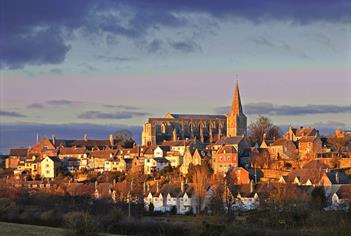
x: 31, y: 230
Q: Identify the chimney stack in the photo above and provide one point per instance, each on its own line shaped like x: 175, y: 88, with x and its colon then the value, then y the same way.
x: 252, y: 186
x: 53, y: 139
x: 182, y: 186
x: 111, y: 140
x: 337, y: 177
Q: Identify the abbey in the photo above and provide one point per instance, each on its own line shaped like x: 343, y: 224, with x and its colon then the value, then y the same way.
x: 205, y: 128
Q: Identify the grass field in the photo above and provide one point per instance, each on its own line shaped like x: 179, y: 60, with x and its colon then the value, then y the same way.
x: 10, y: 229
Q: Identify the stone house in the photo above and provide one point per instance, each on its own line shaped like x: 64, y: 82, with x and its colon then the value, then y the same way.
x: 309, y: 146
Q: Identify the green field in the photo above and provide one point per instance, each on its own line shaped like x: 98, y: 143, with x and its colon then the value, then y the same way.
x: 10, y: 229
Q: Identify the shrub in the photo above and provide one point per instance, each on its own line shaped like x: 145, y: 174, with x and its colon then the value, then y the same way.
x: 6, y: 206
x: 110, y: 222
x: 80, y: 223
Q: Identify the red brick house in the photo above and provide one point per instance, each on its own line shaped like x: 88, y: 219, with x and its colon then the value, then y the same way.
x: 224, y: 159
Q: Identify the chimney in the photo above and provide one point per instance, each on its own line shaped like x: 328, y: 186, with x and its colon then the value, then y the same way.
x: 85, y: 137
x: 37, y: 138
x: 252, y: 186
x: 53, y: 139
x: 337, y: 178
x: 110, y: 137
x: 182, y: 186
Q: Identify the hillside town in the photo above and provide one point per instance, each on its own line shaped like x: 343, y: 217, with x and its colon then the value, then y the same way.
x: 191, y: 164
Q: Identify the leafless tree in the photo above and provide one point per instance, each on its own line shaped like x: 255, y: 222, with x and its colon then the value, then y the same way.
x: 200, y: 179
x: 263, y: 125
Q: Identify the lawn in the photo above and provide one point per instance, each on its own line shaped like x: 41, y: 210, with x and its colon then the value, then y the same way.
x: 31, y: 230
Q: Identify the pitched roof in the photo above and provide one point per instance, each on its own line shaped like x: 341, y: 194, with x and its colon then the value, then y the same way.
x: 89, y: 143
x: 173, y: 189
x: 161, y: 159
x: 55, y: 159
x: 165, y: 148
x: 314, y: 175
x: 301, y: 131
x: 104, y: 189
x: 72, y: 150
x: 150, y: 149
x: 338, y: 177
x: 176, y: 143
x: 227, y: 149
x: 230, y: 140
x: 316, y: 164
x: 308, y: 139
x: 104, y: 154
x: 18, y: 152
x: 195, y: 116
x: 344, y: 192
x: 279, y: 142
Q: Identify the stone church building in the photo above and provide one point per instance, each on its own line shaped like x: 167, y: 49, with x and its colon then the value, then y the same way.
x: 205, y: 128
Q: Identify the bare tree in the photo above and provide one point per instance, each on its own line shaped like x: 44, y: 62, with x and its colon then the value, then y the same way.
x: 263, y: 126
x: 339, y: 143
x: 200, y: 179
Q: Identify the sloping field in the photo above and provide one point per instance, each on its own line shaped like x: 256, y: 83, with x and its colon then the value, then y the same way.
x: 10, y: 229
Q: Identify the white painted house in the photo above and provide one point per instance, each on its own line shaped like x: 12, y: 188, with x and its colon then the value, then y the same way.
x: 49, y: 167
x: 155, y: 164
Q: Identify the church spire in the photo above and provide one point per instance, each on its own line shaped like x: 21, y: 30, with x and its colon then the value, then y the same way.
x: 236, y: 120
x: 236, y: 105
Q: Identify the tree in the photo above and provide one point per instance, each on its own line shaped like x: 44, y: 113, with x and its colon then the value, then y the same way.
x: 200, y: 179
x: 151, y: 207
x: 80, y: 223
x: 339, y: 143
x: 318, y: 198
x: 263, y: 126
x: 124, y: 138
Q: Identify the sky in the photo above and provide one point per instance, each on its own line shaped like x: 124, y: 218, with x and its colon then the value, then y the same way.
x: 113, y: 64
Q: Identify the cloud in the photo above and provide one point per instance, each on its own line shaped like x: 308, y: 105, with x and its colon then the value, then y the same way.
x: 11, y: 114
x: 121, y: 107
x: 113, y: 115
x: 61, y: 102
x: 186, y: 46
x: 115, y: 58
x: 286, y: 110
x: 88, y: 66
x: 36, y: 32
x: 56, y: 71
x: 36, y: 106
x: 280, y: 47
x: 44, y: 46
x: 155, y: 46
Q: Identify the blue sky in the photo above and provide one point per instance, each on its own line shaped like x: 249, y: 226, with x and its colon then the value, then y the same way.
x: 119, y: 62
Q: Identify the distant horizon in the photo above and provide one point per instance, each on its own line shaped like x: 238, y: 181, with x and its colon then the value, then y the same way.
x: 77, y: 131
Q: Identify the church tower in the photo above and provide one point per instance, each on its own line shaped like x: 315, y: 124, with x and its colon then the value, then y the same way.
x: 236, y: 120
